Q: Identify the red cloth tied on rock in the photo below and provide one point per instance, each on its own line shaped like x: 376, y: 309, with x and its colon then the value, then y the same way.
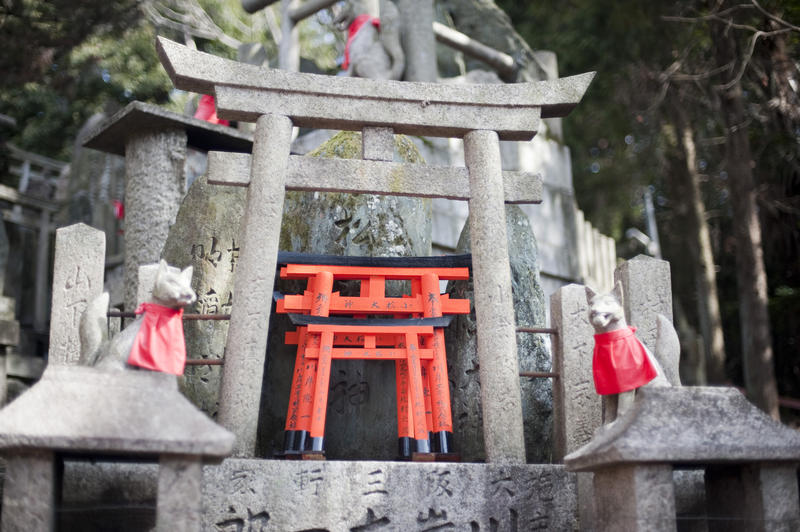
x: 352, y: 29
x: 207, y: 110
x: 620, y: 362
x: 159, y: 345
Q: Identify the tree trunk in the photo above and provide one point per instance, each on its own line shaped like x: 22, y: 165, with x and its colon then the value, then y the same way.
x: 702, y: 254
x: 759, y: 371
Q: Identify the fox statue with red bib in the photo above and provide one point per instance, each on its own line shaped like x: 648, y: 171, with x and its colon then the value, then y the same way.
x: 621, y: 363
x: 154, y: 340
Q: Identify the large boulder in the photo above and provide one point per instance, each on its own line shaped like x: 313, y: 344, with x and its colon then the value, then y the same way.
x: 361, y: 420
x: 205, y: 236
x: 462, y: 354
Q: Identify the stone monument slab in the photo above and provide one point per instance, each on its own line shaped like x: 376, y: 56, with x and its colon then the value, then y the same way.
x: 77, y: 279
x: 342, y: 496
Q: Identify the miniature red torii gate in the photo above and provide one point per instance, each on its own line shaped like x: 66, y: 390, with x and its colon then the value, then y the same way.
x: 423, y: 395
x: 480, y: 114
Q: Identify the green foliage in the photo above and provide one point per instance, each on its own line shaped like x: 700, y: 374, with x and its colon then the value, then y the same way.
x: 103, y: 70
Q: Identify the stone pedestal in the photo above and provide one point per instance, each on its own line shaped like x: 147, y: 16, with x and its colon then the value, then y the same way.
x: 180, y: 493
x: 634, y: 498
x: 29, y: 493
x: 750, y: 462
x: 154, y: 186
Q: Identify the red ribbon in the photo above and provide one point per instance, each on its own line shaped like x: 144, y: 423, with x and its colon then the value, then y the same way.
x: 352, y: 29
x: 159, y: 345
x: 620, y: 362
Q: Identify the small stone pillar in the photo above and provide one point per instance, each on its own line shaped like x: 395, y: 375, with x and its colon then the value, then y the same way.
x: 576, y: 405
x: 494, y: 306
x: 180, y: 493
x: 577, y: 409
x: 29, y: 491
x: 154, y: 186
x: 245, y: 350
x: 77, y: 279
x: 419, y: 43
x: 647, y: 293
x: 638, y: 497
x: 289, y: 47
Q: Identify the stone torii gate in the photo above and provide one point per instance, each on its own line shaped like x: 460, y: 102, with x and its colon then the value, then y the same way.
x: 278, y: 100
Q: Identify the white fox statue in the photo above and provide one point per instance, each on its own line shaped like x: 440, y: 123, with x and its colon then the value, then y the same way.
x: 621, y: 363
x: 171, y: 292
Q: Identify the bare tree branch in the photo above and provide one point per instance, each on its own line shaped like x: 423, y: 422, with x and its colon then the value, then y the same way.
x: 774, y: 17
x: 189, y: 18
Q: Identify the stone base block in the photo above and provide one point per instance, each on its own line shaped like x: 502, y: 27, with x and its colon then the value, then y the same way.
x: 634, y: 498
x: 339, y: 496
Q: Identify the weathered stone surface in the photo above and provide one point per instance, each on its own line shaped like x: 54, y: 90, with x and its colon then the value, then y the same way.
x: 136, y: 117
x: 77, y: 279
x: 154, y: 186
x: 689, y: 425
x: 532, y: 354
x: 244, y: 92
x: 206, y: 236
x: 180, y: 493
x: 25, y: 367
x: 361, y: 421
x: 7, y: 305
x: 377, y: 144
x: 358, y: 496
x: 85, y: 409
x: 246, y: 345
x: 501, y: 404
x: 28, y: 492
x: 337, y: 495
x: 634, y: 498
x: 374, y: 177
x: 577, y: 409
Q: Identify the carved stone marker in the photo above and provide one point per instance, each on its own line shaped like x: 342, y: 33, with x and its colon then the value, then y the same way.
x: 206, y: 237
x: 77, y: 279
x: 278, y: 100
x: 577, y: 408
x: 647, y: 292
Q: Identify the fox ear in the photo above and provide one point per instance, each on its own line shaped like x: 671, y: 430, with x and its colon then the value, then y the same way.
x: 187, y: 274
x: 162, y: 268
x: 589, y: 294
x: 617, y: 292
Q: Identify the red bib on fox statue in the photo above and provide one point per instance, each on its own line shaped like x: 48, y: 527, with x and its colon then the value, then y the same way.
x: 159, y: 345
x: 620, y: 363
